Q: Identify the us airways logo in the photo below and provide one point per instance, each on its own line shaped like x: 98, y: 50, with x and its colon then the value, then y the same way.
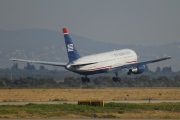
x: 70, y: 47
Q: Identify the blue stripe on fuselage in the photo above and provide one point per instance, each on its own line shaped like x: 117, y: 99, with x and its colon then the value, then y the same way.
x: 92, y: 72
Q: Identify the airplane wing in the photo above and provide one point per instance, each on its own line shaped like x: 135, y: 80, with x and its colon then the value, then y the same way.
x: 144, y: 63
x: 42, y: 62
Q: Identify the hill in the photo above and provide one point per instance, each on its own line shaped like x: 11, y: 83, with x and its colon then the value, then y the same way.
x: 48, y: 45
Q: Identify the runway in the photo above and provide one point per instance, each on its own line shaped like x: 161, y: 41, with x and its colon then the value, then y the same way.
x: 75, y: 102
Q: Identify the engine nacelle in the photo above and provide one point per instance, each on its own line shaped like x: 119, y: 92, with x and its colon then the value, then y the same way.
x: 136, y: 70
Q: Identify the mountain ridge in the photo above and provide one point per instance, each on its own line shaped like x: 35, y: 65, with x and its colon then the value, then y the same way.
x: 44, y: 44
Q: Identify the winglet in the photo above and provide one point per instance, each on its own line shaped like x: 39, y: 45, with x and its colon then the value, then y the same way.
x: 65, y: 31
x: 169, y: 57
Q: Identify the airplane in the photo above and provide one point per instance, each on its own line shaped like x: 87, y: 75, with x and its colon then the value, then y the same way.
x: 112, y: 61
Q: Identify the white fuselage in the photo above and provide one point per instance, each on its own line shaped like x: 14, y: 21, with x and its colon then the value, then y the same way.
x: 103, y: 62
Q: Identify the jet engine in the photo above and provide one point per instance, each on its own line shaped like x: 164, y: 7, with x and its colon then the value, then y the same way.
x: 136, y: 70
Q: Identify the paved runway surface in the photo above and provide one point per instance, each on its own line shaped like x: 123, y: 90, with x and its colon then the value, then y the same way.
x: 75, y: 102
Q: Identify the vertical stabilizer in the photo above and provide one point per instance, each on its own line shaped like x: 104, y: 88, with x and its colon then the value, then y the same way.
x: 70, y: 47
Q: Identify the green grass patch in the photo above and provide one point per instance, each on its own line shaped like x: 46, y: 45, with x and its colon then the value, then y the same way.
x: 110, y: 110
x: 108, y: 116
x: 9, y: 100
x: 57, y: 99
x: 146, y: 106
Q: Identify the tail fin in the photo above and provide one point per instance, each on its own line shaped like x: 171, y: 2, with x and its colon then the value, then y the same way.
x: 70, y: 47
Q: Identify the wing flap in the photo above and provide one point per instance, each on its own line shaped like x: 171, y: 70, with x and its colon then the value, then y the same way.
x: 41, y: 62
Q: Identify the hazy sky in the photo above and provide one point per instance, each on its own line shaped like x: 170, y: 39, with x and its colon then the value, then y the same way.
x: 140, y: 22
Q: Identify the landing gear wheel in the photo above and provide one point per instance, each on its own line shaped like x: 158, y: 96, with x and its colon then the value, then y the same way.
x: 85, y: 79
x: 129, y: 73
x: 116, y: 79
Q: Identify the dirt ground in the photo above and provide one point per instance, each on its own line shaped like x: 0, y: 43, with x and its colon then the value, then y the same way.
x: 89, y: 94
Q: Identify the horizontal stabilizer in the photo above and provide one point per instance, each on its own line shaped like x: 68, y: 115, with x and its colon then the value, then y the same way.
x: 42, y: 62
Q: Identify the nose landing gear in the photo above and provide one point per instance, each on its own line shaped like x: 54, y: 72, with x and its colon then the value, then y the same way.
x: 116, y: 79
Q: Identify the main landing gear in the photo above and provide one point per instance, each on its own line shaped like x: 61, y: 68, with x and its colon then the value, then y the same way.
x: 85, y: 79
x: 116, y: 79
x: 129, y: 72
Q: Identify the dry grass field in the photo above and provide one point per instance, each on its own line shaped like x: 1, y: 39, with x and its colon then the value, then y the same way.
x: 89, y: 94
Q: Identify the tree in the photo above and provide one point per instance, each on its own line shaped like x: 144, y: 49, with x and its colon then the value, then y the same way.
x: 146, y: 68
x: 167, y: 69
x: 42, y: 68
x: 5, y: 82
x: 177, y: 80
x: 15, y: 66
